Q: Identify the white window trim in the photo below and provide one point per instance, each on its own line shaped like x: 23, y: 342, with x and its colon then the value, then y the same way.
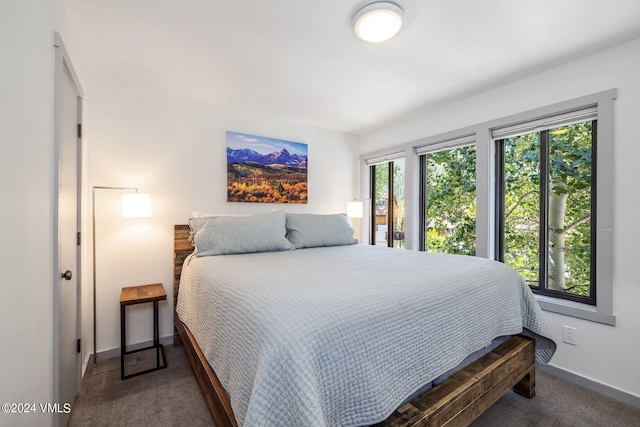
x: 447, y: 145
x: 385, y: 158
x: 485, y: 192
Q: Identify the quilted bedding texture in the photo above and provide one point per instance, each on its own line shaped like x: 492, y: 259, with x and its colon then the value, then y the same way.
x: 341, y: 336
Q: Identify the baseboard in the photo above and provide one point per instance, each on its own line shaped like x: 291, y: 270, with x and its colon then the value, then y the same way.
x: 115, y: 352
x: 85, y: 363
x: 592, y: 385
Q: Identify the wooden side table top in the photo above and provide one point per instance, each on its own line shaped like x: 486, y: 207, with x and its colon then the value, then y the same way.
x: 144, y: 293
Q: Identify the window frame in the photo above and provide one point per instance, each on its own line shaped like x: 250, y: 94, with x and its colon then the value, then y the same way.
x: 602, y: 102
x: 543, y: 210
x: 390, y: 165
x: 422, y: 153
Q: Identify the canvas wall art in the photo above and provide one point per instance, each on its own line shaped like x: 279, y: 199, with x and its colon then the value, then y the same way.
x: 265, y: 170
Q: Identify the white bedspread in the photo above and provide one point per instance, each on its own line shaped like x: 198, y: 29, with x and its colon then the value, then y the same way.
x: 341, y: 336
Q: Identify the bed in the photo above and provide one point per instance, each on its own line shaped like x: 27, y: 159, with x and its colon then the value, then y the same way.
x: 289, y: 337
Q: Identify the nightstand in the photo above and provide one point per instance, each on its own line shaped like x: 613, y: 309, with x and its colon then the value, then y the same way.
x: 137, y: 295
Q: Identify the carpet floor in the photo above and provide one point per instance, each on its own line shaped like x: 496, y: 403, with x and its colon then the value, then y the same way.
x: 171, y: 397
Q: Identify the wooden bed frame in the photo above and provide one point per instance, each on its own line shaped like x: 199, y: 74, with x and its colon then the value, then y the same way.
x: 457, y: 401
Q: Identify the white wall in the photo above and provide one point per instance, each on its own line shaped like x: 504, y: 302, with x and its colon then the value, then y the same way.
x: 175, y: 149
x: 605, y: 354
x: 26, y: 132
x: 26, y: 226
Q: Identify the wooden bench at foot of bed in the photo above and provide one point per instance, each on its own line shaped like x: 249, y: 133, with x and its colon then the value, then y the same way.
x: 457, y: 401
x: 465, y: 395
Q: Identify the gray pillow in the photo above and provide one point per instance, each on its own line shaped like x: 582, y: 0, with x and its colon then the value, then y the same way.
x: 223, y: 235
x: 308, y: 230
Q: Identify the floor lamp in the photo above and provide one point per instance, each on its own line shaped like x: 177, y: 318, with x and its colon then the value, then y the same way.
x: 134, y: 205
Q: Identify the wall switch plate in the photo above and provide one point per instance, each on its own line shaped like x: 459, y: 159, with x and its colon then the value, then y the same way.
x: 569, y: 335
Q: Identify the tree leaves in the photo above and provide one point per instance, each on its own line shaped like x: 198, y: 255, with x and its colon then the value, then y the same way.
x: 569, y: 174
x: 451, y: 201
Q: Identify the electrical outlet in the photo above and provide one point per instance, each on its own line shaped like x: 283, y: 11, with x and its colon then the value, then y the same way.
x: 569, y: 335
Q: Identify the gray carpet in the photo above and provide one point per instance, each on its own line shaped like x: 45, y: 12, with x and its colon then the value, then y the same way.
x: 171, y: 397
x: 559, y: 403
x: 168, y: 397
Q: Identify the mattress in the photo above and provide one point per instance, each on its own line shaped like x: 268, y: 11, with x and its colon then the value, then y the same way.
x: 341, y: 336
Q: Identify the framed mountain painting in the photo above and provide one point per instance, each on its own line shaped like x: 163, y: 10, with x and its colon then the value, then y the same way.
x: 265, y: 170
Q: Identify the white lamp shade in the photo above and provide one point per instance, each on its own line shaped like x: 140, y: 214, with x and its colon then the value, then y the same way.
x: 378, y: 21
x: 354, y: 210
x: 136, y: 205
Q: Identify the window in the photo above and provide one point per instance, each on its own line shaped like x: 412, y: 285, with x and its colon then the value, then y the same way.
x: 448, y: 200
x: 540, y: 200
x: 545, y: 205
x: 387, y: 203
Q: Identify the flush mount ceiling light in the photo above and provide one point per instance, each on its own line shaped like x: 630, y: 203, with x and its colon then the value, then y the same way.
x: 377, y: 22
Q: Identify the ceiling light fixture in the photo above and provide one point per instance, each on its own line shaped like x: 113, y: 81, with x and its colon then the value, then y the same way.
x: 377, y: 22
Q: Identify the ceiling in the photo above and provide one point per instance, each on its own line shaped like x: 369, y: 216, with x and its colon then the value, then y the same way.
x: 300, y: 59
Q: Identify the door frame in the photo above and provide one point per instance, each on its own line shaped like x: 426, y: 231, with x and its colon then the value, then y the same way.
x: 63, y: 66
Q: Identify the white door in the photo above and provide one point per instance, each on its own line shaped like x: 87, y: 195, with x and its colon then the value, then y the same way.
x: 68, y: 109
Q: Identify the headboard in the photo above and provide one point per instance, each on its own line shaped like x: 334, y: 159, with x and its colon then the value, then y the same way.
x: 182, y: 248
